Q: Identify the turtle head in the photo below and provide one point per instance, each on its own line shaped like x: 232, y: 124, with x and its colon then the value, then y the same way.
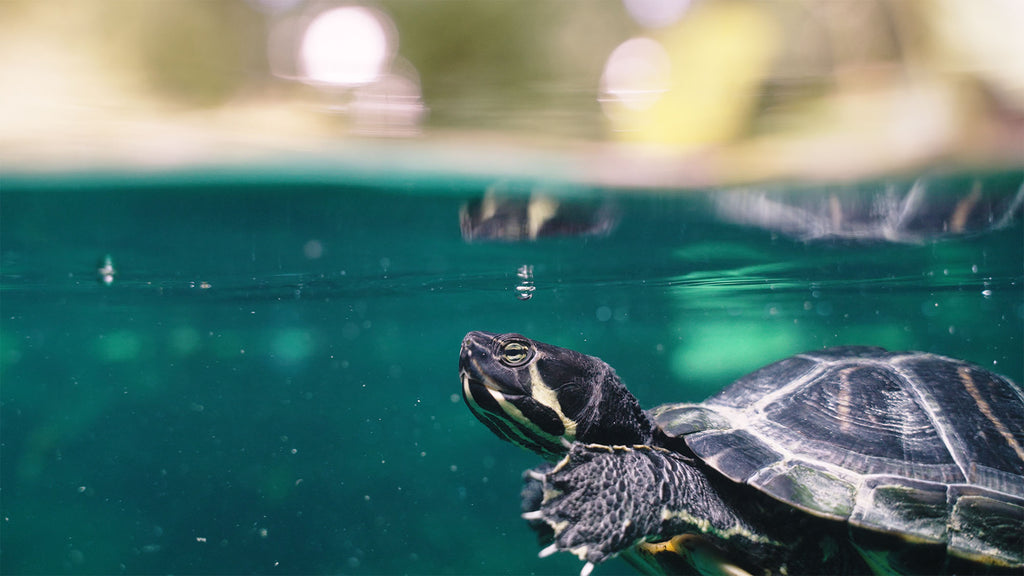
x: 543, y: 397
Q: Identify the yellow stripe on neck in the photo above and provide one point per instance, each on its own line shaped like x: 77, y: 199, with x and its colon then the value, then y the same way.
x: 546, y: 396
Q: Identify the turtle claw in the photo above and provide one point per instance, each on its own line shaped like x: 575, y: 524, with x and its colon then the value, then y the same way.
x: 576, y: 505
x: 587, y: 569
x: 548, y: 551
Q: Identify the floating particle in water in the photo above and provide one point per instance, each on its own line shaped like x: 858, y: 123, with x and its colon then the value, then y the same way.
x: 106, y: 271
x: 313, y: 249
x: 525, y: 288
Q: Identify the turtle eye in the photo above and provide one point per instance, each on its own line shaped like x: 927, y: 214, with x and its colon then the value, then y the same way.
x: 515, y: 353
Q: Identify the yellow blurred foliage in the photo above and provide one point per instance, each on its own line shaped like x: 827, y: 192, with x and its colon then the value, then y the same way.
x: 719, y: 56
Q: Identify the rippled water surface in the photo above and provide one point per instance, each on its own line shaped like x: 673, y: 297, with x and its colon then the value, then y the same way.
x: 266, y: 381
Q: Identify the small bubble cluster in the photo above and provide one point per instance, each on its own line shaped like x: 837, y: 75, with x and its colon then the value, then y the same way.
x: 525, y: 288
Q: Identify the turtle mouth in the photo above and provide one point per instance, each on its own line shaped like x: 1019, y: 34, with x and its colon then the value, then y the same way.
x: 472, y: 377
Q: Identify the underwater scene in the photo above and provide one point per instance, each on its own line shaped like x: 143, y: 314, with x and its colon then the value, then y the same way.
x: 235, y: 371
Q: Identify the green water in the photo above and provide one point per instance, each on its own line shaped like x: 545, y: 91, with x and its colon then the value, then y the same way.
x: 269, y: 383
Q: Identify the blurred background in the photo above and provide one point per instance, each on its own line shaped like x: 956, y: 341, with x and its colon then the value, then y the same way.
x: 241, y: 240
x: 631, y: 92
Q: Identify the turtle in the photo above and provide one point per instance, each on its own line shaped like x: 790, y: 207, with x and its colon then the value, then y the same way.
x: 850, y: 459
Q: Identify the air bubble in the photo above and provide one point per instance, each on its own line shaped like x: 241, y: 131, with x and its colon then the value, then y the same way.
x: 524, y: 290
x: 106, y: 272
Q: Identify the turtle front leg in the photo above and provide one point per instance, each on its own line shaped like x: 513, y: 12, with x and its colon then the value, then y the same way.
x: 601, y: 500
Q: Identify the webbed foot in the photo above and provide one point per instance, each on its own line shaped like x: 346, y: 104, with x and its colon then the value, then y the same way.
x: 598, y: 501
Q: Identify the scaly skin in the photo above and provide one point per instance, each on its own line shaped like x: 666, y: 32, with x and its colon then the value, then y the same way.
x: 600, y: 501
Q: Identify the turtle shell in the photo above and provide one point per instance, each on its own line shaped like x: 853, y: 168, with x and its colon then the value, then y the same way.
x: 913, y: 444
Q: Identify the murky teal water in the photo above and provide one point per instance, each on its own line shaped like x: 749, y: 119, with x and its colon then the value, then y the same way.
x: 269, y: 383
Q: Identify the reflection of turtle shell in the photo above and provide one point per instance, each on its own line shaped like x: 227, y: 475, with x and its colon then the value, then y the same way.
x: 526, y: 217
x: 916, y: 215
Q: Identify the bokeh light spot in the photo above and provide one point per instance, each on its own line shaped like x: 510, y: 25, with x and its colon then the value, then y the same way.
x: 119, y: 346
x: 184, y: 340
x: 313, y: 249
x: 346, y: 46
x: 292, y: 346
x: 636, y: 74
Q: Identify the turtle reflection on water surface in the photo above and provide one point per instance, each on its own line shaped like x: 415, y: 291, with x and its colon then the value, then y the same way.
x: 510, y: 213
x: 844, y: 460
x: 916, y: 215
